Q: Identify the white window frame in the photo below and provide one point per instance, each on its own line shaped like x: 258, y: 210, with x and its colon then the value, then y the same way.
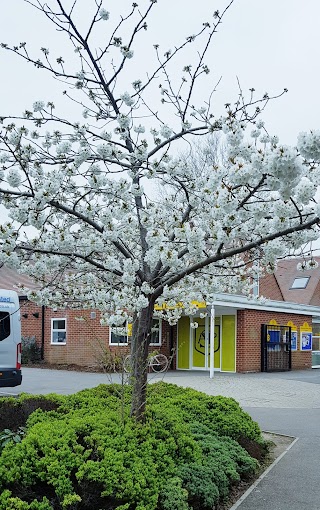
x: 119, y: 344
x: 59, y: 329
x: 160, y: 333
x: 157, y: 344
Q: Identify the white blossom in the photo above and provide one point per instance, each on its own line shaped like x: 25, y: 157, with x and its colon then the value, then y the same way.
x: 82, y: 156
x: 4, y: 157
x: 126, y: 52
x: 309, y: 145
x: 127, y: 99
x: 105, y: 150
x: 14, y: 177
x: 38, y: 106
x: 80, y: 75
x: 14, y: 138
x: 265, y: 138
x: 139, y: 129
x: 307, y: 265
x: 63, y: 148
x: 186, y: 125
x: 104, y: 14
x: 255, y: 133
x: 105, y: 135
x: 304, y: 191
x: 124, y: 121
x: 165, y: 131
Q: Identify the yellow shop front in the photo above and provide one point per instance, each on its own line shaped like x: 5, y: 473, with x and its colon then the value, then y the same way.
x: 195, y: 341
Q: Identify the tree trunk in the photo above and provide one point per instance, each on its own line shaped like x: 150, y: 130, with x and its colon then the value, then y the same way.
x: 141, y: 335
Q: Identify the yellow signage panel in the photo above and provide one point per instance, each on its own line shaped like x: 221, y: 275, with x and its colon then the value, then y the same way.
x: 306, y: 327
x: 165, y: 306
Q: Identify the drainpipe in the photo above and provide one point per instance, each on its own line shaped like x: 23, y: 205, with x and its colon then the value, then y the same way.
x: 212, y: 317
x: 42, y: 331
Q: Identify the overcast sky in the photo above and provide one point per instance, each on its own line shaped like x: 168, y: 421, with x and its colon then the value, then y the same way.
x: 268, y: 45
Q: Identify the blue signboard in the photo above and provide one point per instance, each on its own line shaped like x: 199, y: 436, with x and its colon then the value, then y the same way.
x: 273, y: 340
x: 294, y: 340
x: 274, y: 335
x: 305, y: 341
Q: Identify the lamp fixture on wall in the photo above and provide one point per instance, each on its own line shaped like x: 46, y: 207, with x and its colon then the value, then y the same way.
x: 36, y: 315
x: 25, y: 315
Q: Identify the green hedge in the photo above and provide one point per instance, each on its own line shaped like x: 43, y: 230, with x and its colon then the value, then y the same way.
x: 89, y: 454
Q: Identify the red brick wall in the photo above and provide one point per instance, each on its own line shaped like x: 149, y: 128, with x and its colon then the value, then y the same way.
x: 30, y: 325
x: 248, y: 358
x: 86, y: 339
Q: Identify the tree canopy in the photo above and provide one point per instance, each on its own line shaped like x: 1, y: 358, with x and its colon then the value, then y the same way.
x: 103, y: 237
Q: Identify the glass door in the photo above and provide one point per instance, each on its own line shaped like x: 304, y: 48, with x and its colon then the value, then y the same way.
x: 200, y: 344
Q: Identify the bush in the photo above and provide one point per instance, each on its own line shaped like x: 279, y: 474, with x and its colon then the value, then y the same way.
x: 222, y: 415
x: 31, y: 353
x: 15, y: 412
x: 88, y: 453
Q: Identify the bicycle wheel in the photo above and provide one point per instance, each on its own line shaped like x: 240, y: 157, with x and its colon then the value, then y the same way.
x: 127, y: 364
x: 159, y: 363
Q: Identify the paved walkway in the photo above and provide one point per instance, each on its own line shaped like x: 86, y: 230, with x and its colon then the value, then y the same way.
x: 286, y: 403
x: 293, y: 483
x: 286, y: 390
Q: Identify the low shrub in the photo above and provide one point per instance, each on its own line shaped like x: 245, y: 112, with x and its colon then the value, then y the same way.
x: 222, y: 415
x: 14, y: 412
x: 30, y: 351
x: 87, y: 453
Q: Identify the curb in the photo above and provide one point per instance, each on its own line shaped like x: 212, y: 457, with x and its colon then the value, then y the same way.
x: 261, y: 477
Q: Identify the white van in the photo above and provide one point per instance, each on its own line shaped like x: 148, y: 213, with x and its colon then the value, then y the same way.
x: 10, y: 339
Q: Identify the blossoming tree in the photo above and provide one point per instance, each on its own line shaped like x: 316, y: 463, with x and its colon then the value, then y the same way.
x: 103, y: 236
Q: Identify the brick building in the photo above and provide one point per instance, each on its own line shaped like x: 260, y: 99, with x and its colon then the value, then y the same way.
x: 289, y: 284
x: 235, y: 334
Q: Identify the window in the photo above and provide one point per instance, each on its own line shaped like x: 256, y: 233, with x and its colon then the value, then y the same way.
x: 4, y: 325
x: 122, y: 339
x: 116, y: 339
x: 58, y: 331
x: 300, y: 283
x: 156, y: 332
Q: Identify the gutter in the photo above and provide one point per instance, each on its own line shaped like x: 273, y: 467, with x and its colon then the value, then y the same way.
x: 241, y: 302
